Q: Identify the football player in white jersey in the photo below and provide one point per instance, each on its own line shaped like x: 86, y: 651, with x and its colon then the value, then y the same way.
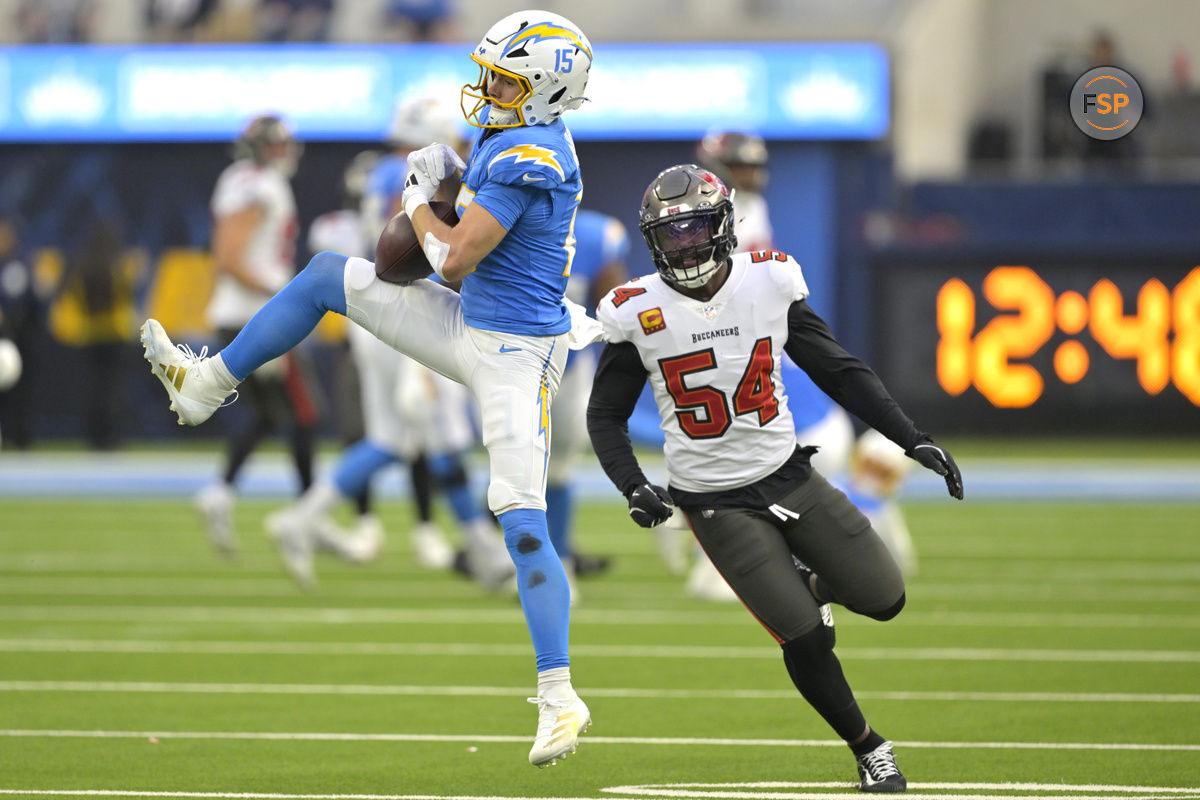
x: 505, y: 334
x: 254, y: 246
x: 741, y: 161
x: 708, y: 330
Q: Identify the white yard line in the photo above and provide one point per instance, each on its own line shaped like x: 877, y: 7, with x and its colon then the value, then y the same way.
x: 621, y: 740
x: 35, y: 585
x: 160, y: 687
x: 454, y: 649
x: 181, y: 615
x: 717, y: 791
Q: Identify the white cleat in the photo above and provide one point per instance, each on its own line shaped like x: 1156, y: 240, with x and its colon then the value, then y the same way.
x: 560, y: 722
x: 366, y: 540
x: 296, y: 540
x: 190, y: 379
x: 215, y: 504
x: 430, y: 547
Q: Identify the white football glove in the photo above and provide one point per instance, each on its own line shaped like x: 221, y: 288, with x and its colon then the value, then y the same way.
x: 426, y: 169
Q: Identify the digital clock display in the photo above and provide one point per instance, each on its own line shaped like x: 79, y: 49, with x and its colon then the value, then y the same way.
x: 1032, y: 345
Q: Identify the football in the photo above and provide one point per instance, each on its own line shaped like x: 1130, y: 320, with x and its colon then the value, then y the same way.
x: 398, y: 255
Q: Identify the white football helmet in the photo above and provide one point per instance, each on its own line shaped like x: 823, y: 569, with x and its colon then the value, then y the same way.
x: 546, y: 54
x: 422, y: 121
x: 878, y: 465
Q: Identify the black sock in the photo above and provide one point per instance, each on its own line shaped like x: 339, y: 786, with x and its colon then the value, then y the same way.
x: 868, y: 744
x: 422, y: 481
x: 818, y: 675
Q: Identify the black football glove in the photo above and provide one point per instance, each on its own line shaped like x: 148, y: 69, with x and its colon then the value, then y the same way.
x: 930, y: 456
x: 649, y: 505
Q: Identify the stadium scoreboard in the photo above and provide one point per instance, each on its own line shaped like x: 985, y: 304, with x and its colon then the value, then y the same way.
x: 1066, y: 345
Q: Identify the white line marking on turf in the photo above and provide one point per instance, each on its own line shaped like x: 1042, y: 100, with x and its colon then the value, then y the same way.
x: 730, y: 791
x: 623, y: 740
x: 725, y: 791
x: 414, y: 586
x: 193, y: 647
x: 516, y: 691
x: 596, y: 616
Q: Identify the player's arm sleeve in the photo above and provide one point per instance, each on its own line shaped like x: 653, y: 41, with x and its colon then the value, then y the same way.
x: 504, y: 202
x: 844, y: 377
x: 619, y: 379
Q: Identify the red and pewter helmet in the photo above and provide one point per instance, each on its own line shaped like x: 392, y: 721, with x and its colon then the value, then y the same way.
x: 687, y: 221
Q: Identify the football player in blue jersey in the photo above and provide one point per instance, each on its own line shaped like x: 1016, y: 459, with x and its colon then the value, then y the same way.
x: 601, y: 244
x: 505, y: 335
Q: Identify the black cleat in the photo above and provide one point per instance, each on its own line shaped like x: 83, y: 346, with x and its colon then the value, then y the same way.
x: 879, y: 772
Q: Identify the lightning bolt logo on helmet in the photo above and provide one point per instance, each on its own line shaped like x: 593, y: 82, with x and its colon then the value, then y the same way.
x: 548, y: 30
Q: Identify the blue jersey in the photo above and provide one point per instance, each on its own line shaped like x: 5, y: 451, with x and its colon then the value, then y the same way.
x: 528, y: 179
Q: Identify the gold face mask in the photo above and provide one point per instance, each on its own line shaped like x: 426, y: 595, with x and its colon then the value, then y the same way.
x: 479, y: 94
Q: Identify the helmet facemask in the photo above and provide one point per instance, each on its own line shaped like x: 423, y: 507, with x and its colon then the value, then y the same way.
x: 500, y: 115
x: 689, y: 247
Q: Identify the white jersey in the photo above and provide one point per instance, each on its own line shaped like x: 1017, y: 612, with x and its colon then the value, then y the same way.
x: 271, y: 250
x: 714, y: 368
x: 752, y: 222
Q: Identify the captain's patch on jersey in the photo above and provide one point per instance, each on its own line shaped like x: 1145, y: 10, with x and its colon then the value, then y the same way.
x: 652, y: 320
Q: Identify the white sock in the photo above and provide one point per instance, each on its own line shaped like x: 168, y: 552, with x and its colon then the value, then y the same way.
x: 554, y: 683
x: 320, y: 499
x: 221, y: 373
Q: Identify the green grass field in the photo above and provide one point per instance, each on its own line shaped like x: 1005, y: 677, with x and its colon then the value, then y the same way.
x: 1053, y: 646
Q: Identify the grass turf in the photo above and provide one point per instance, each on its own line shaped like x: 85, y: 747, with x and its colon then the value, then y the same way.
x: 1028, y: 626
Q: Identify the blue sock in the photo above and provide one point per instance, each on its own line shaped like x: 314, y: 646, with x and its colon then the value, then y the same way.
x: 559, y: 499
x: 289, y: 316
x: 449, y: 471
x: 541, y: 584
x: 358, y: 463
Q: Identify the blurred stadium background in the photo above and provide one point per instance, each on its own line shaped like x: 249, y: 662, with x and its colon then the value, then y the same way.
x: 949, y: 217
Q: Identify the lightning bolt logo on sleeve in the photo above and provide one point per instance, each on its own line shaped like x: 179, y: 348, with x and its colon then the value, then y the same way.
x: 531, y: 153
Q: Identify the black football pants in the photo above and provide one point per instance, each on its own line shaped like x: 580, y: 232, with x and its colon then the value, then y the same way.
x: 753, y: 550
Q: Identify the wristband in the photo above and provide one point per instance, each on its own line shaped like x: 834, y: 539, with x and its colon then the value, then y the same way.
x: 412, y: 199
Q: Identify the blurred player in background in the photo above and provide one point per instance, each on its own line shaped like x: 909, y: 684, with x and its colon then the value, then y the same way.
x: 708, y: 330
x: 877, y: 470
x: 741, y: 161
x: 21, y: 325
x: 505, y: 335
x: 601, y: 244
x: 254, y: 246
